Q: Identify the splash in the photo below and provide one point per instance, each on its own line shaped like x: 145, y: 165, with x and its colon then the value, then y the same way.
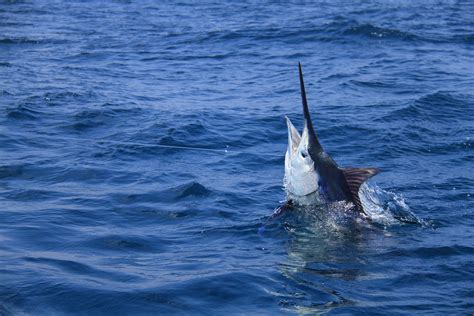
x: 385, y: 207
x: 381, y: 207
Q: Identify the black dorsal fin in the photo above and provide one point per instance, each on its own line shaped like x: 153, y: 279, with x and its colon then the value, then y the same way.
x: 307, y: 117
x: 355, y: 177
x: 304, y: 101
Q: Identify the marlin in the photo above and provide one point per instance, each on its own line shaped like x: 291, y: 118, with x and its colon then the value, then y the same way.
x: 312, y: 177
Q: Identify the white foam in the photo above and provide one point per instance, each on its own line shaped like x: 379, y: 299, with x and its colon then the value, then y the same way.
x: 385, y: 207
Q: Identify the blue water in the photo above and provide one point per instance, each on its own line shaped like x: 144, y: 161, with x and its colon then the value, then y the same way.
x: 103, y: 212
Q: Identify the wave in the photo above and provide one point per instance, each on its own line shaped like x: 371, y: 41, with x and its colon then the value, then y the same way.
x: 72, y: 267
x: 120, y: 243
x: 28, y: 41
x: 336, y: 30
x: 23, y: 112
x: 35, y: 106
x: 373, y: 31
x: 435, y: 107
x: 339, y: 29
x: 18, y: 40
x: 193, y: 190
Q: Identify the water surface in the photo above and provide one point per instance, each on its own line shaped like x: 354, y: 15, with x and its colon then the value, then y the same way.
x: 100, y: 213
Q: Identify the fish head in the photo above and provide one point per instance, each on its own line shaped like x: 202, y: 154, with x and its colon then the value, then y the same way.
x: 301, y: 176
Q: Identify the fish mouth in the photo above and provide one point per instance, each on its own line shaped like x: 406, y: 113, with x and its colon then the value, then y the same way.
x: 301, y: 178
x: 297, y: 142
x: 294, y: 138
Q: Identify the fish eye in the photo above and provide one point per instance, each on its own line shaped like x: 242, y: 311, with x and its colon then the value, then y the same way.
x: 304, y: 154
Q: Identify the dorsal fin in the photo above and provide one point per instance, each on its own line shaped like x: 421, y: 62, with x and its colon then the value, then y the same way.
x: 355, y: 177
x: 313, y: 139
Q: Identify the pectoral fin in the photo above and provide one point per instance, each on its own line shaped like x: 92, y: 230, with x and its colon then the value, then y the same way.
x: 355, y: 177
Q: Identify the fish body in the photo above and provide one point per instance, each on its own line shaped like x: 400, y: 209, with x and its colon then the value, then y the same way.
x: 312, y: 177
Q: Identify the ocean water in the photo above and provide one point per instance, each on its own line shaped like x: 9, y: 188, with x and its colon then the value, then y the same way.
x: 142, y: 148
